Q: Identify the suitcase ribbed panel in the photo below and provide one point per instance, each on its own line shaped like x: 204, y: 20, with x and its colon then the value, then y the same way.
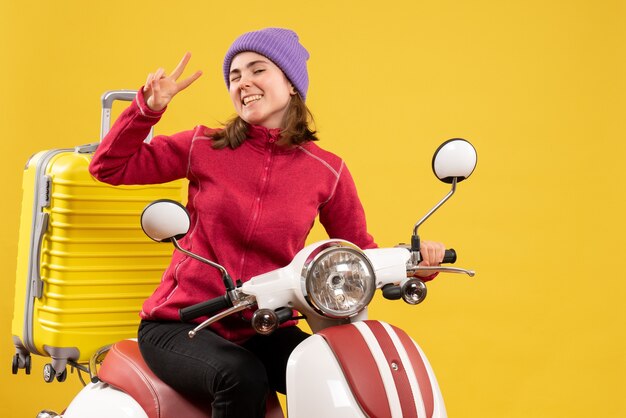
x: 97, y: 266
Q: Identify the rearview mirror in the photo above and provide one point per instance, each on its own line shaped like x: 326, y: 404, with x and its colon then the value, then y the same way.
x: 455, y: 158
x: 165, y: 219
x: 453, y: 161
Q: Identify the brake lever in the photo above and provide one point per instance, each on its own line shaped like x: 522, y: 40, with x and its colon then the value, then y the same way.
x: 411, y: 270
x: 240, y: 305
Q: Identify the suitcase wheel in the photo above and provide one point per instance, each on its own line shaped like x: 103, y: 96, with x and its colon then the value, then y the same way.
x: 49, y: 374
x: 16, y: 364
x: 20, y: 363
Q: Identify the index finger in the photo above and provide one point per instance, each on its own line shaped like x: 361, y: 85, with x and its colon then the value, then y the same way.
x: 181, y: 65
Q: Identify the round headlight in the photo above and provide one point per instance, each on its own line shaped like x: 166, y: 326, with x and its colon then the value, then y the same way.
x: 339, y: 281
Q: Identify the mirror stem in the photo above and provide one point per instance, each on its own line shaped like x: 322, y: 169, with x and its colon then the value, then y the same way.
x: 228, y: 281
x: 415, y: 240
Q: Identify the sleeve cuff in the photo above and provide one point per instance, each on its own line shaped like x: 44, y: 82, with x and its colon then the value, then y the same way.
x: 143, y: 107
x: 429, y: 278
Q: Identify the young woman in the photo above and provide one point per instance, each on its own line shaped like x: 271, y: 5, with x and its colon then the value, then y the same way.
x: 255, y: 189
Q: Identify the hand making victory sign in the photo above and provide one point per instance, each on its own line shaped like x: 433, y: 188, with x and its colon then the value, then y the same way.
x: 161, y: 88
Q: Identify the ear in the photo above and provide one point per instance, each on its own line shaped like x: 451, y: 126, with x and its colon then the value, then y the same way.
x: 292, y: 90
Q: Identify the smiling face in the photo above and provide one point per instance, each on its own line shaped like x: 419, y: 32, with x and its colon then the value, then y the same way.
x: 259, y: 90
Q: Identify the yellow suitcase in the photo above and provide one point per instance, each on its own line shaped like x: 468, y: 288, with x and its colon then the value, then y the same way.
x: 84, y: 265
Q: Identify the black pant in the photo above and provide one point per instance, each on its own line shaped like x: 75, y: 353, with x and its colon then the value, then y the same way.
x: 236, y: 377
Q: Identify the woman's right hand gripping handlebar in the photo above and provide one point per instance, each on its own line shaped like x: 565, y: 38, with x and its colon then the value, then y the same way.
x: 161, y: 88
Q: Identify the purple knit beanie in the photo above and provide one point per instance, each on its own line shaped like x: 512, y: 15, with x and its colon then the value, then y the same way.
x: 282, y: 46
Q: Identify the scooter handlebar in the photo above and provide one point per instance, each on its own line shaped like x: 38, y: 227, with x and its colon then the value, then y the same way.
x: 204, y: 308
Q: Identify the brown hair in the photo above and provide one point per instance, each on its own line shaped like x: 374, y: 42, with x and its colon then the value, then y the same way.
x: 296, y: 129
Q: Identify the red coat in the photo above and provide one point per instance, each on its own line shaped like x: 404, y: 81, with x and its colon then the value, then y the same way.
x: 251, y: 208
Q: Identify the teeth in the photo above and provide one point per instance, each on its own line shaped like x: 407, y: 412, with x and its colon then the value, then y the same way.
x: 249, y: 99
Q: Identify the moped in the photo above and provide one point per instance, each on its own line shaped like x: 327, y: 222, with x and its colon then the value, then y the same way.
x: 349, y: 367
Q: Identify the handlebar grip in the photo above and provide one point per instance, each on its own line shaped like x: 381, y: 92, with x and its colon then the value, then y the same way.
x: 204, y: 308
x: 450, y: 256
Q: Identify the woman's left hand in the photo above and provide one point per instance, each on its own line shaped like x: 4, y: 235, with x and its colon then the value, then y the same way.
x: 432, y: 255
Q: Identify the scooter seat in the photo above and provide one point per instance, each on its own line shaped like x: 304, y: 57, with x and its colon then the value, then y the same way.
x: 125, y: 369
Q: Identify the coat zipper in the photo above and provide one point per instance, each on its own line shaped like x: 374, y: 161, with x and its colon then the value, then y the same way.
x: 258, y: 201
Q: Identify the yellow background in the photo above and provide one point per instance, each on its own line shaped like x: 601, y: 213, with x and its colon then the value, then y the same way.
x: 537, y: 86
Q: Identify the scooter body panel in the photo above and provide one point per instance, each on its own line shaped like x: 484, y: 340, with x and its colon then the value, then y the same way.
x: 363, y: 369
x: 316, y: 385
x: 439, y: 405
x: 100, y: 400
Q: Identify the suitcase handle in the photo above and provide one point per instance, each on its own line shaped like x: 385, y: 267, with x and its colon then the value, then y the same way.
x: 107, y: 103
x: 41, y: 226
x: 107, y: 98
